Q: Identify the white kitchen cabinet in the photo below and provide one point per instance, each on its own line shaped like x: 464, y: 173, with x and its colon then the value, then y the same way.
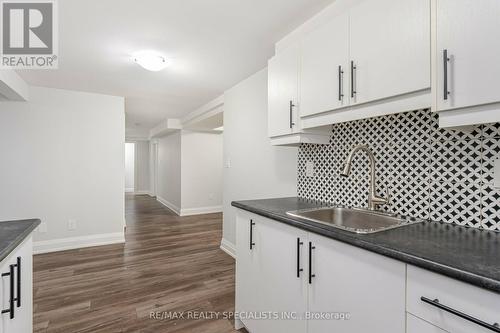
x: 343, y: 288
x: 284, y: 125
x: 22, y: 321
x: 469, y: 30
x: 466, y: 54
x: 367, y: 286
x: 368, y: 59
x: 267, y: 278
x: 284, y: 289
x: 469, y: 300
x: 248, y: 269
x: 283, y: 92
x: 325, y: 67
x: 389, y: 48
x: 417, y: 325
x: 284, y: 277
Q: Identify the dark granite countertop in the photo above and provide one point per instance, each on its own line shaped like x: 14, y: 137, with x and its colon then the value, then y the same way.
x: 13, y: 233
x: 466, y: 254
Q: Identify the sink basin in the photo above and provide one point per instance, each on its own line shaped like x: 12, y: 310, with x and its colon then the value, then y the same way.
x: 355, y: 220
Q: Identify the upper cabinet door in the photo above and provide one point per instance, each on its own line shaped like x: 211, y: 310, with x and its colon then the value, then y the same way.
x: 390, y: 48
x: 324, y: 68
x: 283, y: 102
x: 469, y: 31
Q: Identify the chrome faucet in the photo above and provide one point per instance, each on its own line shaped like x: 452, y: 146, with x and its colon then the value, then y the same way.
x: 373, y: 199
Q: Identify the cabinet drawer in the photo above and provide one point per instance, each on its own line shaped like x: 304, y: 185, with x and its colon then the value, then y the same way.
x: 417, y: 325
x: 467, y: 299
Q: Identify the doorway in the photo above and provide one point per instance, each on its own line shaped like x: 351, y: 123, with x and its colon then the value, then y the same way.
x: 153, y: 168
x: 129, y: 167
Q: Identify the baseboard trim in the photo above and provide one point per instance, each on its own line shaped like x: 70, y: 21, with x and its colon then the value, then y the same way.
x: 189, y: 211
x: 228, y: 247
x: 200, y: 210
x: 141, y: 193
x: 71, y: 243
x: 169, y: 205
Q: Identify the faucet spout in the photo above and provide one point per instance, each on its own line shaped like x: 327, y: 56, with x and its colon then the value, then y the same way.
x: 373, y: 199
x: 347, y: 170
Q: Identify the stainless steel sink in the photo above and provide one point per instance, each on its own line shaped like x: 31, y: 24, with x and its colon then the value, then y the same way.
x: 356, y: 220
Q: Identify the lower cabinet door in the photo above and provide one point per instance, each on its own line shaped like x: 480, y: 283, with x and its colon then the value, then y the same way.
x: 248, y: 270
x: 353, y: 290
x: 417, y: 325
x: 23, y: 311
x: 284, y: 268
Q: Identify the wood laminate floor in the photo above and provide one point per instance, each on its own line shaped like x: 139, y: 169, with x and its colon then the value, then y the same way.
x: 167, y: 264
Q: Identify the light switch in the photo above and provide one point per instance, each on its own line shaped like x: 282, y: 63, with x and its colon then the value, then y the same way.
x: 309, y: 169
x: 497, y: 173
x: 71, y: 224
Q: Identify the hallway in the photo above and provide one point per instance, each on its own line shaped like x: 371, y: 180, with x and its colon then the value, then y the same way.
x: 168, y: 263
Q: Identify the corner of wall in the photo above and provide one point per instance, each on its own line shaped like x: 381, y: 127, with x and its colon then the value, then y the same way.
x: 228, y: 247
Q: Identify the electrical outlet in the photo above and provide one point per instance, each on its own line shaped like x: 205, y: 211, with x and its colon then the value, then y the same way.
x: 42, y: 228
x: 309, y: 169
x: 227, y: 164
x: 211, y: 196
x: 72, y: 225
x: 497, y: 173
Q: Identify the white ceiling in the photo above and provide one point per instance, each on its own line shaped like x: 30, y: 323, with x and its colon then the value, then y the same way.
x: 211, y: 44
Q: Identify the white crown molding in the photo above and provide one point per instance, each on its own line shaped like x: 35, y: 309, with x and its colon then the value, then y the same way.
x: 164, y: 128
x: 205, y: 111
x: 133, y: 139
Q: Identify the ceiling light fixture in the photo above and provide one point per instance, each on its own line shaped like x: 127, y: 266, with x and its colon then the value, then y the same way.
x: 150, y: 61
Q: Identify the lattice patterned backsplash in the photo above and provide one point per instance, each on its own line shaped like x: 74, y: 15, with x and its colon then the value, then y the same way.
x: 432, y: 173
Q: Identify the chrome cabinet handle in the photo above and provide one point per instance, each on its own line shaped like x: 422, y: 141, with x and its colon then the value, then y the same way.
x: 446, y: 60
x: 492, y: 327
x: 353, y: 74
x: 341, y: 81
x: 291, y: 114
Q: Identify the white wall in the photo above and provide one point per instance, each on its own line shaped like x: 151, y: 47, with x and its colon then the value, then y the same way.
x: 201, y: 172
x: 129, y: 167
x: 190, y: 172
x: 62, y: 158
x: 142, y: 174
x: 257, y: 169
x: 169, y: 171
